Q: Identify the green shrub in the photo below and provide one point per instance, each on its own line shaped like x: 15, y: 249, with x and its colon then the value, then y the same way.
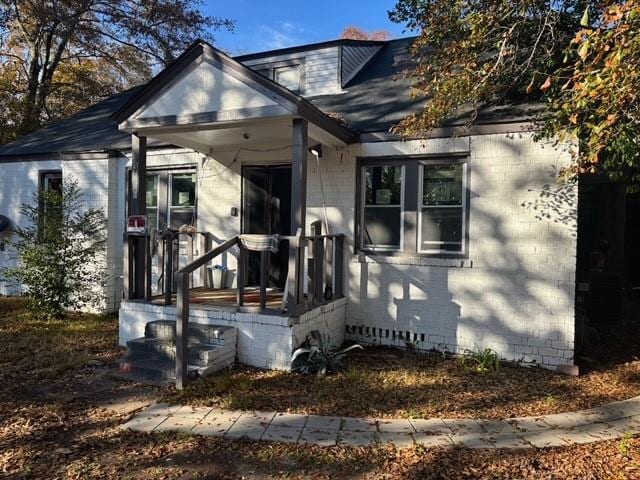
x: 317, y: 357
x: 59, y: 253
x: 480, y: 361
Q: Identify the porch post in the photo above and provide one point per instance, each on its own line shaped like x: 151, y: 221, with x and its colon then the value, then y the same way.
x: 137, y: 277
x: 295, y: 278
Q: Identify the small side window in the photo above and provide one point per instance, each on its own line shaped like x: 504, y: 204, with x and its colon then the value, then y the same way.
x: 288, y: 77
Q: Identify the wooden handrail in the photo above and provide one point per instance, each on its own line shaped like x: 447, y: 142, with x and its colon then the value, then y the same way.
x: 208, y: 256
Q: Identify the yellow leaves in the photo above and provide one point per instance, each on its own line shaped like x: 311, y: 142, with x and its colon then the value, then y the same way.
x: 583, y: 51
x: 573, y: 119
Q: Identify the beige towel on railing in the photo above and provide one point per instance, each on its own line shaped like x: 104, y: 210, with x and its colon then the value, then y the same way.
x: 260, y: 243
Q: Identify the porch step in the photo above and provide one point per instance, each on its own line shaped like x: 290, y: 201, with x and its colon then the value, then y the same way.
x: 200, y: 354
x: 198, y: 333
x: 152, y: 358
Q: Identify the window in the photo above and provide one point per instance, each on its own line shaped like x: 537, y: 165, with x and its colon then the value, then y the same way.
x: 382, y: 224
x: 152, y: 201
x: 51, y: 181
x: 441, y: 222
x: 183, y: 199
x: 413, y: 206
x: 289, y: 74
x: 288, y: 77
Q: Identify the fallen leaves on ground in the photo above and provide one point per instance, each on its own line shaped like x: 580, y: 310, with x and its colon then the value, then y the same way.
x: 54, y: 425
x: 390, y: 383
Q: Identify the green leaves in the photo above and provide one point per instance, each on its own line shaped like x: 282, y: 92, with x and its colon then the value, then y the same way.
x: 60, y: 253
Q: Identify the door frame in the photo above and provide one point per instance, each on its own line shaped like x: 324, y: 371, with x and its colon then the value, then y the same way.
x: 242, y: 189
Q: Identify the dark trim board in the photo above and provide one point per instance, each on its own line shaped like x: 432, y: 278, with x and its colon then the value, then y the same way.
x: 452, y: 132
x: 310, y: 46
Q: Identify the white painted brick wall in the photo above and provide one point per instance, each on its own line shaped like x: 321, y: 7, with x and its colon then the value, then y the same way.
x: 96, y: 178
x: 265, y: 341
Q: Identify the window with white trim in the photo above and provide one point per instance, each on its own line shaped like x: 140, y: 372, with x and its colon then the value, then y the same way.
x: 413, y: 206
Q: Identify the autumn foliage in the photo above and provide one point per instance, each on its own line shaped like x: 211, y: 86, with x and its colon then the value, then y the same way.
x: 596, y: 98
x: 578, y: 59
x: 356, y: 33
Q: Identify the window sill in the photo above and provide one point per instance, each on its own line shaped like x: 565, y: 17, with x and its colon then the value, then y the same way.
x: 421, y: 261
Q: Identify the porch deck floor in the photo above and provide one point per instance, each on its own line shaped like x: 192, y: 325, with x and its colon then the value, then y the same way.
x: 227, y: 298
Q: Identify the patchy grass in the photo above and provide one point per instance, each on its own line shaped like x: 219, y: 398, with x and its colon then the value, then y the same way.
x: 61, y: 432
x: 42, y: 349
x: 389, y: 383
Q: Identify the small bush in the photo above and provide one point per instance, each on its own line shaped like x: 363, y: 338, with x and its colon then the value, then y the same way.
x: 480, y: 361
x: 59, y: 253
x: 317, y: 357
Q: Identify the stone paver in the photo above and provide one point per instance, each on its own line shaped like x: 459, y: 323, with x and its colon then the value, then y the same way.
x: 359, y: 425
x: 144, y: 423
x: 289, y: 420
x: 595, y: 424
x: 399, y: 439
x: 356, y: 439
x: 177, y: 424
x: 251, y: 425
x: 428, y: 441
x: 324, y: 423
x: 316, y: 436
x: 432, y: 426
x: 216, y: 423
x: 395, y: 426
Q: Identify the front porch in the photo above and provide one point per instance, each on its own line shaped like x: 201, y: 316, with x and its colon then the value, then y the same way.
x: 287, y: 273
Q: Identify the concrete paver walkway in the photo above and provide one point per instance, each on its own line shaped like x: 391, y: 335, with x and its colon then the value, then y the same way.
x: 610, y: 421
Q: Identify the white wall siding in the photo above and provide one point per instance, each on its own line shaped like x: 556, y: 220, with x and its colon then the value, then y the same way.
x: 322, y: 71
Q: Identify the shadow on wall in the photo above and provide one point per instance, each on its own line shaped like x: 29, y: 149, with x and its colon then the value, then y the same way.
x: 518, y: 297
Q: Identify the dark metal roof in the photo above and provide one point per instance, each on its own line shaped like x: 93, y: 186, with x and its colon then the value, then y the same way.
x: 377, y: 98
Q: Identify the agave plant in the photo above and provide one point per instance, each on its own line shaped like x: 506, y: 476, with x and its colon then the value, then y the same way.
x: 316, y: 356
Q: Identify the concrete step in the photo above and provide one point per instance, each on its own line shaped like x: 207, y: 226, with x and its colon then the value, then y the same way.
x: 201, y: 355
x: 198, y: 332
x: 156, y: 371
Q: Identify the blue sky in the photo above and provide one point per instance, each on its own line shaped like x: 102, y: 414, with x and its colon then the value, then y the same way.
x: 270, y: 24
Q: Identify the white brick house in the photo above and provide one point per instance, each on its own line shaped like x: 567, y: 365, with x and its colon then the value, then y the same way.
x: 453, y: 242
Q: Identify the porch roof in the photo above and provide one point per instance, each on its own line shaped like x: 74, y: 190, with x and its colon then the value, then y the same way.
x: 205, y: 90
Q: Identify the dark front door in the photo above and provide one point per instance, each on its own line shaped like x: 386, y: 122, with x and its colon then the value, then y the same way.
x: 266, y: 209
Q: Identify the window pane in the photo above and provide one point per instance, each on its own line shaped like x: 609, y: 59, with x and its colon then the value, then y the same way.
x: 183, y: 190
x: 288, y: 77
x: 441, y: 229
x: 152, y: 191
x: 442, y: 185
x: 383, y: 185
x: 382, y: 227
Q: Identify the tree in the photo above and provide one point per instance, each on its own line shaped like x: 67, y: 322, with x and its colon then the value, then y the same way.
x: 60, y: 252
x: 356, y: 33
x: 471, y: 54
x: 596, y: 96
x: 72, y: 52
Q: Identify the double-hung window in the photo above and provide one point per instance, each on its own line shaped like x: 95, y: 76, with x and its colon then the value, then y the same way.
x: 413, y: 206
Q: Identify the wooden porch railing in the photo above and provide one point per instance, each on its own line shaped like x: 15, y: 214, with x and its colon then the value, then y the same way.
x: 325, y: 282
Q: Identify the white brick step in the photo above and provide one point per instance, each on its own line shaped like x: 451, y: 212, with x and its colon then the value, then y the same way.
x: 198, y: 333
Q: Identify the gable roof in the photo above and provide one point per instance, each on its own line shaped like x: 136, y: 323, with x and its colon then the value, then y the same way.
x: 290, y: 102
x: 377, y: 98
